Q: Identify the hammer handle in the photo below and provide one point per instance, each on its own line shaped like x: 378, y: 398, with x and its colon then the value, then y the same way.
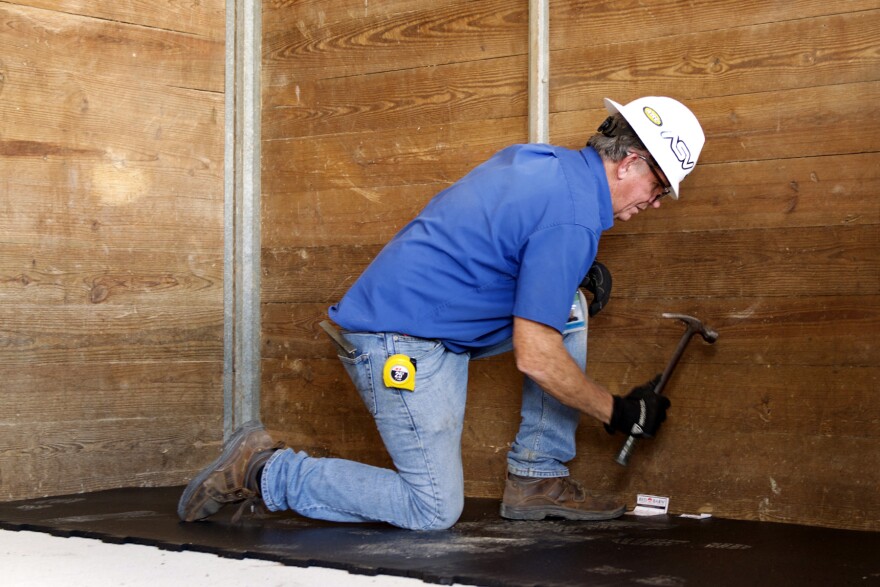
x: 629, y: 445
x: 625, y: 450
x: 670, y: 367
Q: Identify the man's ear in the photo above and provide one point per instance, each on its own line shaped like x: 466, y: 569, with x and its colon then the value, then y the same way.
x: 624, y: 166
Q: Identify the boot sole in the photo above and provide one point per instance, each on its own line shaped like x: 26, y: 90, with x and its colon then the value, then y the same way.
x: 194, y: 485
x: 539, y: 513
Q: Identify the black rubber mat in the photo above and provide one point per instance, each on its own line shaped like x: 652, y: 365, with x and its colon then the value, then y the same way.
x: 482, y: 549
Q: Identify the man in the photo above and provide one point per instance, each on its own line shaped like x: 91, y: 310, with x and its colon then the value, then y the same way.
x: 491, y: 264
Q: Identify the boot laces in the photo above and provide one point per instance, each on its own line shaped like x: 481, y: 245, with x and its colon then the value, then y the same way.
x: 253, y: 501
x: 574, y: 488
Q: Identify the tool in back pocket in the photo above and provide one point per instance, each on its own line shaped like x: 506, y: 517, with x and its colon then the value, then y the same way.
x: 343, y: 343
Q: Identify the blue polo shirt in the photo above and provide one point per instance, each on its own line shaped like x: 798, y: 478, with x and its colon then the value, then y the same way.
x: 514, y: 237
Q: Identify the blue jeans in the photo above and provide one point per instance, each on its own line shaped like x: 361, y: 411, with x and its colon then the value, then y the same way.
x: 422, y: 433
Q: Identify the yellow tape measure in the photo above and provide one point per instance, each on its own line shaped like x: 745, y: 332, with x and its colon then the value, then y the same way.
x: 400, y: 372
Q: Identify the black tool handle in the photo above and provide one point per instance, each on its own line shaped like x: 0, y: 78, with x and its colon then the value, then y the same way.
x: 629, y: 445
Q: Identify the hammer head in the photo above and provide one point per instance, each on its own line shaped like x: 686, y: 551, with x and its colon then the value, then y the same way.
x: 694, y: 326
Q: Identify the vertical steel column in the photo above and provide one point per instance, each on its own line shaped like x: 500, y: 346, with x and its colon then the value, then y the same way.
x: 241, y: 288
x: 539, y: 71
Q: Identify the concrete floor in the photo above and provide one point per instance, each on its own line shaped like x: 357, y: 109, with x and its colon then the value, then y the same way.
x: 37, y: 559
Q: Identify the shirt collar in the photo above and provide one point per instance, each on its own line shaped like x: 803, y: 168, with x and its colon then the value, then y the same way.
x: 594, y: 162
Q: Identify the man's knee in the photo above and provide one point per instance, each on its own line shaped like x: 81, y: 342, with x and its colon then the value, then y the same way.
x: 439, y: 512
x: 446, y: 514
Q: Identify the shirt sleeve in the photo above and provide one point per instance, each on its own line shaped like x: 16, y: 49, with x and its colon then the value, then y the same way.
x: 553, y: 263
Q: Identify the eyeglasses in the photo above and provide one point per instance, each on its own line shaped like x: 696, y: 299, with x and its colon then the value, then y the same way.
x: 667, y: 189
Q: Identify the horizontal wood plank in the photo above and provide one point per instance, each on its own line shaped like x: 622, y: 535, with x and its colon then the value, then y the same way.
x: 56, y: 334
x: 801, y: 53
x: 350, y: 38
x: 116, y: 49
x: 173, y: 129
x: 205, y: 18
x: 313, y: 406
x: 97, y: 274
x: 477, y: 90
x: 370, y: 160
x: 826, y: 261
x: 339, y: 216
x: 320, y: 274
x: 603, y: 22
x: 55, y: 200
x: 801, y: 479
x: 829, y: 331
x: 57, y: 458
x: 110, y: 391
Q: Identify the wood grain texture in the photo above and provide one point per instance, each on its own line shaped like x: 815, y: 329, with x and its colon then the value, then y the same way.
x: 65, y: 42
x: 605, y: 22
x: 351, y: 38
x: 112, y: 391
x: 774, y: 56
x: 111, y: 269
x: 66, y: 457
x: 98, y: 333
x: 371, y: 110
x: 95, y: 274
x: 203, y: 19
x: 474, y: 90
x: 386, y: 158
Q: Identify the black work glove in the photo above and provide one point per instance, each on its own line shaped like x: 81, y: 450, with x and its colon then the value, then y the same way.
x: 640, y: 412
x: 598, y: 283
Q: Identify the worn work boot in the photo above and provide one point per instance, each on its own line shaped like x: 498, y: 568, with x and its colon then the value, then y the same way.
x: 533, y: 498
x: 232, y: 478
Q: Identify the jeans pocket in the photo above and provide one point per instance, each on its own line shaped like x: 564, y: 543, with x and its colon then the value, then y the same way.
x: 360, y: 371
x: 424, y: 352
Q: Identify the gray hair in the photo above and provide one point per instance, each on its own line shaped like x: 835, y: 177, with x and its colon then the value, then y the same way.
x: 615, y: 139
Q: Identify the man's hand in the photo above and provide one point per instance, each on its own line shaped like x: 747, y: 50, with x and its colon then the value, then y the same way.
x: 598, y: 283
x: 640, y: 412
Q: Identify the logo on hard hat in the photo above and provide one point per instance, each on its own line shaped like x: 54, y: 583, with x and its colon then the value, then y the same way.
x: 679, y: 149
x: 652, y: 115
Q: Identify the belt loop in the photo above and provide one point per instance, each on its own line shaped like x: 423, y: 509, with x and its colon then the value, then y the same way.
x: 390, y: 345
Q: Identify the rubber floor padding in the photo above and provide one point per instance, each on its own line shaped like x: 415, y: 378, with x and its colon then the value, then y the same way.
x: 482, y: 549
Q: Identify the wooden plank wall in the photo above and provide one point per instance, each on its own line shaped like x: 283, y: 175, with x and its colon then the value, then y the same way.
x: 371, y: 108
x: 111, y: 224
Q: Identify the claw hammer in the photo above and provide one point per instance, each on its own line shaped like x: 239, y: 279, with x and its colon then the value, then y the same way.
x: 694, y: 326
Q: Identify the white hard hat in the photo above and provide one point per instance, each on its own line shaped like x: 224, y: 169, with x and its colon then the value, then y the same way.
x: 669, y: 130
